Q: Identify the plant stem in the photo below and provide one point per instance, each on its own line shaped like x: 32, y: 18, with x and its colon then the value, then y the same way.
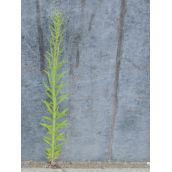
x: 54, y: 98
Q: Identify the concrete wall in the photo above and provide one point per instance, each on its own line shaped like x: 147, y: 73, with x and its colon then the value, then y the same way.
x: 107, y: 53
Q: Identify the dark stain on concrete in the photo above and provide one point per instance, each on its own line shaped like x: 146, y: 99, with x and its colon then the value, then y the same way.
x: 40, y: 35
x: 129, y: 123
x: 22, y: 37
x: 77, y: 57
x: 77, y: 39
x: 120, y: 34
x: 70, y: 66
x: 91, y: 21
x: 93, y: 16
x: 83, y: 2
x: 75, y: 52
x: 77, y: 42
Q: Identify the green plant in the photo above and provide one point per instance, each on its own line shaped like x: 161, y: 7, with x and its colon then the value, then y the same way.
x: 55, y: 121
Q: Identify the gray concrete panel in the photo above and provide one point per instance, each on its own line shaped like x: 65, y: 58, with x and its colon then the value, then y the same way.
x: 131, y: 134
x: 91, y: 43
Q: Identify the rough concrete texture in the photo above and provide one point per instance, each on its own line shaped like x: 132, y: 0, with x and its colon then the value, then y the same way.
x: 107, y: 54
x: 85, y: 165
x: 131, y: 133
x: 86, y: 170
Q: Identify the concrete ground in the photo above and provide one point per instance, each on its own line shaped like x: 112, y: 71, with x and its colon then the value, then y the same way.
x: 31, y: 166
x: 86, y: 170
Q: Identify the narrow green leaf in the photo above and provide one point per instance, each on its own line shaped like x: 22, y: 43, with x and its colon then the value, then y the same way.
x: 47, y: 140
x: 62, y: 98
x: 49, y: 95
x: 49, y: 127
x: 60, y: 76
x: 60, y: 65
x: 48, y: 106
x: 60, y: 137
x: 61, y: 125
x: 47, y: 88
x: 62, y: 114
x: 47, y: 118
x: 48, y: 75
x: 59, y: 87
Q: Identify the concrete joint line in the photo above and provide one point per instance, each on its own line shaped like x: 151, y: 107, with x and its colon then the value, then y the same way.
x: 120, y: 34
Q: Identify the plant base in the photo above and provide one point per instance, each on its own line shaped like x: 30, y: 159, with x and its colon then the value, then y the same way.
x: 53, y: 164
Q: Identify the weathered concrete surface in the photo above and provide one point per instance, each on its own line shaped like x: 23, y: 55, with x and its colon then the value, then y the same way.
x: 131, y: 133
x: 32, y: 90
x: 86, y: 170
x: 91, y: 48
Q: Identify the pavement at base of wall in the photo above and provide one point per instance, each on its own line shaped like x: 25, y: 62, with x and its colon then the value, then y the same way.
x: 31, y: 166
x: 86, y: 170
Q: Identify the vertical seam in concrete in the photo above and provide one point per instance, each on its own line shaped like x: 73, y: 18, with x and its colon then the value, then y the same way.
x: 120, y: 34
x: 40, y: 35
